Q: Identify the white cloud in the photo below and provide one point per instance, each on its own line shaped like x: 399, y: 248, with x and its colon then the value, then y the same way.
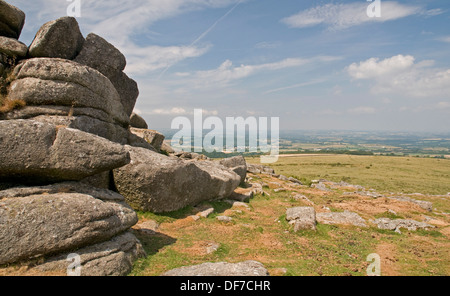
x: 120, y: 21
x: 342, y: 16
x: 373, y: 68
x: 402, y: 76
x: 227, y: 72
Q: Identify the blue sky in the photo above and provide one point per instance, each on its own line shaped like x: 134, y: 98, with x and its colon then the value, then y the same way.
x: 314, y: 64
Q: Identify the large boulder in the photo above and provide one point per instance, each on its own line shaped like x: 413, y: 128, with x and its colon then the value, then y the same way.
x: 107, y: 130
x: 12, y: 20
x: 12, y: 47
x: 46, y: 81
x: 114, y: 257
x: 45, y: 152
x: 38, y: 225
x: 99, y: 54
x: 60, y: 38
x: 247, y: 268
x: 238, y: 165
x: 157, y: 183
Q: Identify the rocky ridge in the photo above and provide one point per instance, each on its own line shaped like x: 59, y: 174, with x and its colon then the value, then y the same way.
x: 76, y: 162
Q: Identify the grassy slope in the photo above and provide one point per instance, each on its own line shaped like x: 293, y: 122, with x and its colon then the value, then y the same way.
x: 385, y: 174
x: 261, y: 232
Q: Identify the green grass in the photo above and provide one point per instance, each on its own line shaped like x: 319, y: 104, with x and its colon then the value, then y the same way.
x: 382, y: 173
x: 262, y: 233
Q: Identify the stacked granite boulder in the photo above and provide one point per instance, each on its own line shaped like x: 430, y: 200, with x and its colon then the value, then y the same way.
x: 75, y: 162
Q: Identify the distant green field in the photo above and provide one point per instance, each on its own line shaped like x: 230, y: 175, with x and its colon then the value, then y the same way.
x: 382, y: 173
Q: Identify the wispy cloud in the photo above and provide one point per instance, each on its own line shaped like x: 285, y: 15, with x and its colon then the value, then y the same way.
x: 120, y: 21
x: 227, y: 72
x: 342, y: 16
x: 298, y: 85
x: 445, y: 39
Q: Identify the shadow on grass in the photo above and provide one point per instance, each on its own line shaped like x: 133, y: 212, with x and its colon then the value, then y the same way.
x: 152, y: 243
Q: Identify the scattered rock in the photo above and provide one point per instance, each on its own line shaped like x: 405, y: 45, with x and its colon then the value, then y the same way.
x: 247, y: 268
x: 237, y: 204
x: 224, y: 219
x: 320, y: 186
x: 293, y: 180
x: 137, y: 121
x: 60, y: 38
x: 411, y: 225
x: 345, y: 218
x: 12, y: 20
x: 298, y: 196
x: 303, y: 218
x: 242, y: 195
x: 206, y: 213
x: 259, y: 169
x: 212, y: 247
x: 283, y: 178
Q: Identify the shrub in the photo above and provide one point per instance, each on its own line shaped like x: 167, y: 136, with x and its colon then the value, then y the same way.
x: 7, y: 105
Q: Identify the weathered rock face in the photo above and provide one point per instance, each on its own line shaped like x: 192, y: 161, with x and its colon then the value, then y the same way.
x: 247, y: 268
x: 12, y: 20
x: 344, y: 218
x: 157, y: 183
x: 398, y: 224
x: 73, y: 128
x: 45, y: 81
x: 12, y: 47
x: 46, y: 153
x: 72, y: 220
x: 114, y: 257
x: 99, y: 54
x: 60, y: 38
x: 303, y: 218
x: 238, y: 165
